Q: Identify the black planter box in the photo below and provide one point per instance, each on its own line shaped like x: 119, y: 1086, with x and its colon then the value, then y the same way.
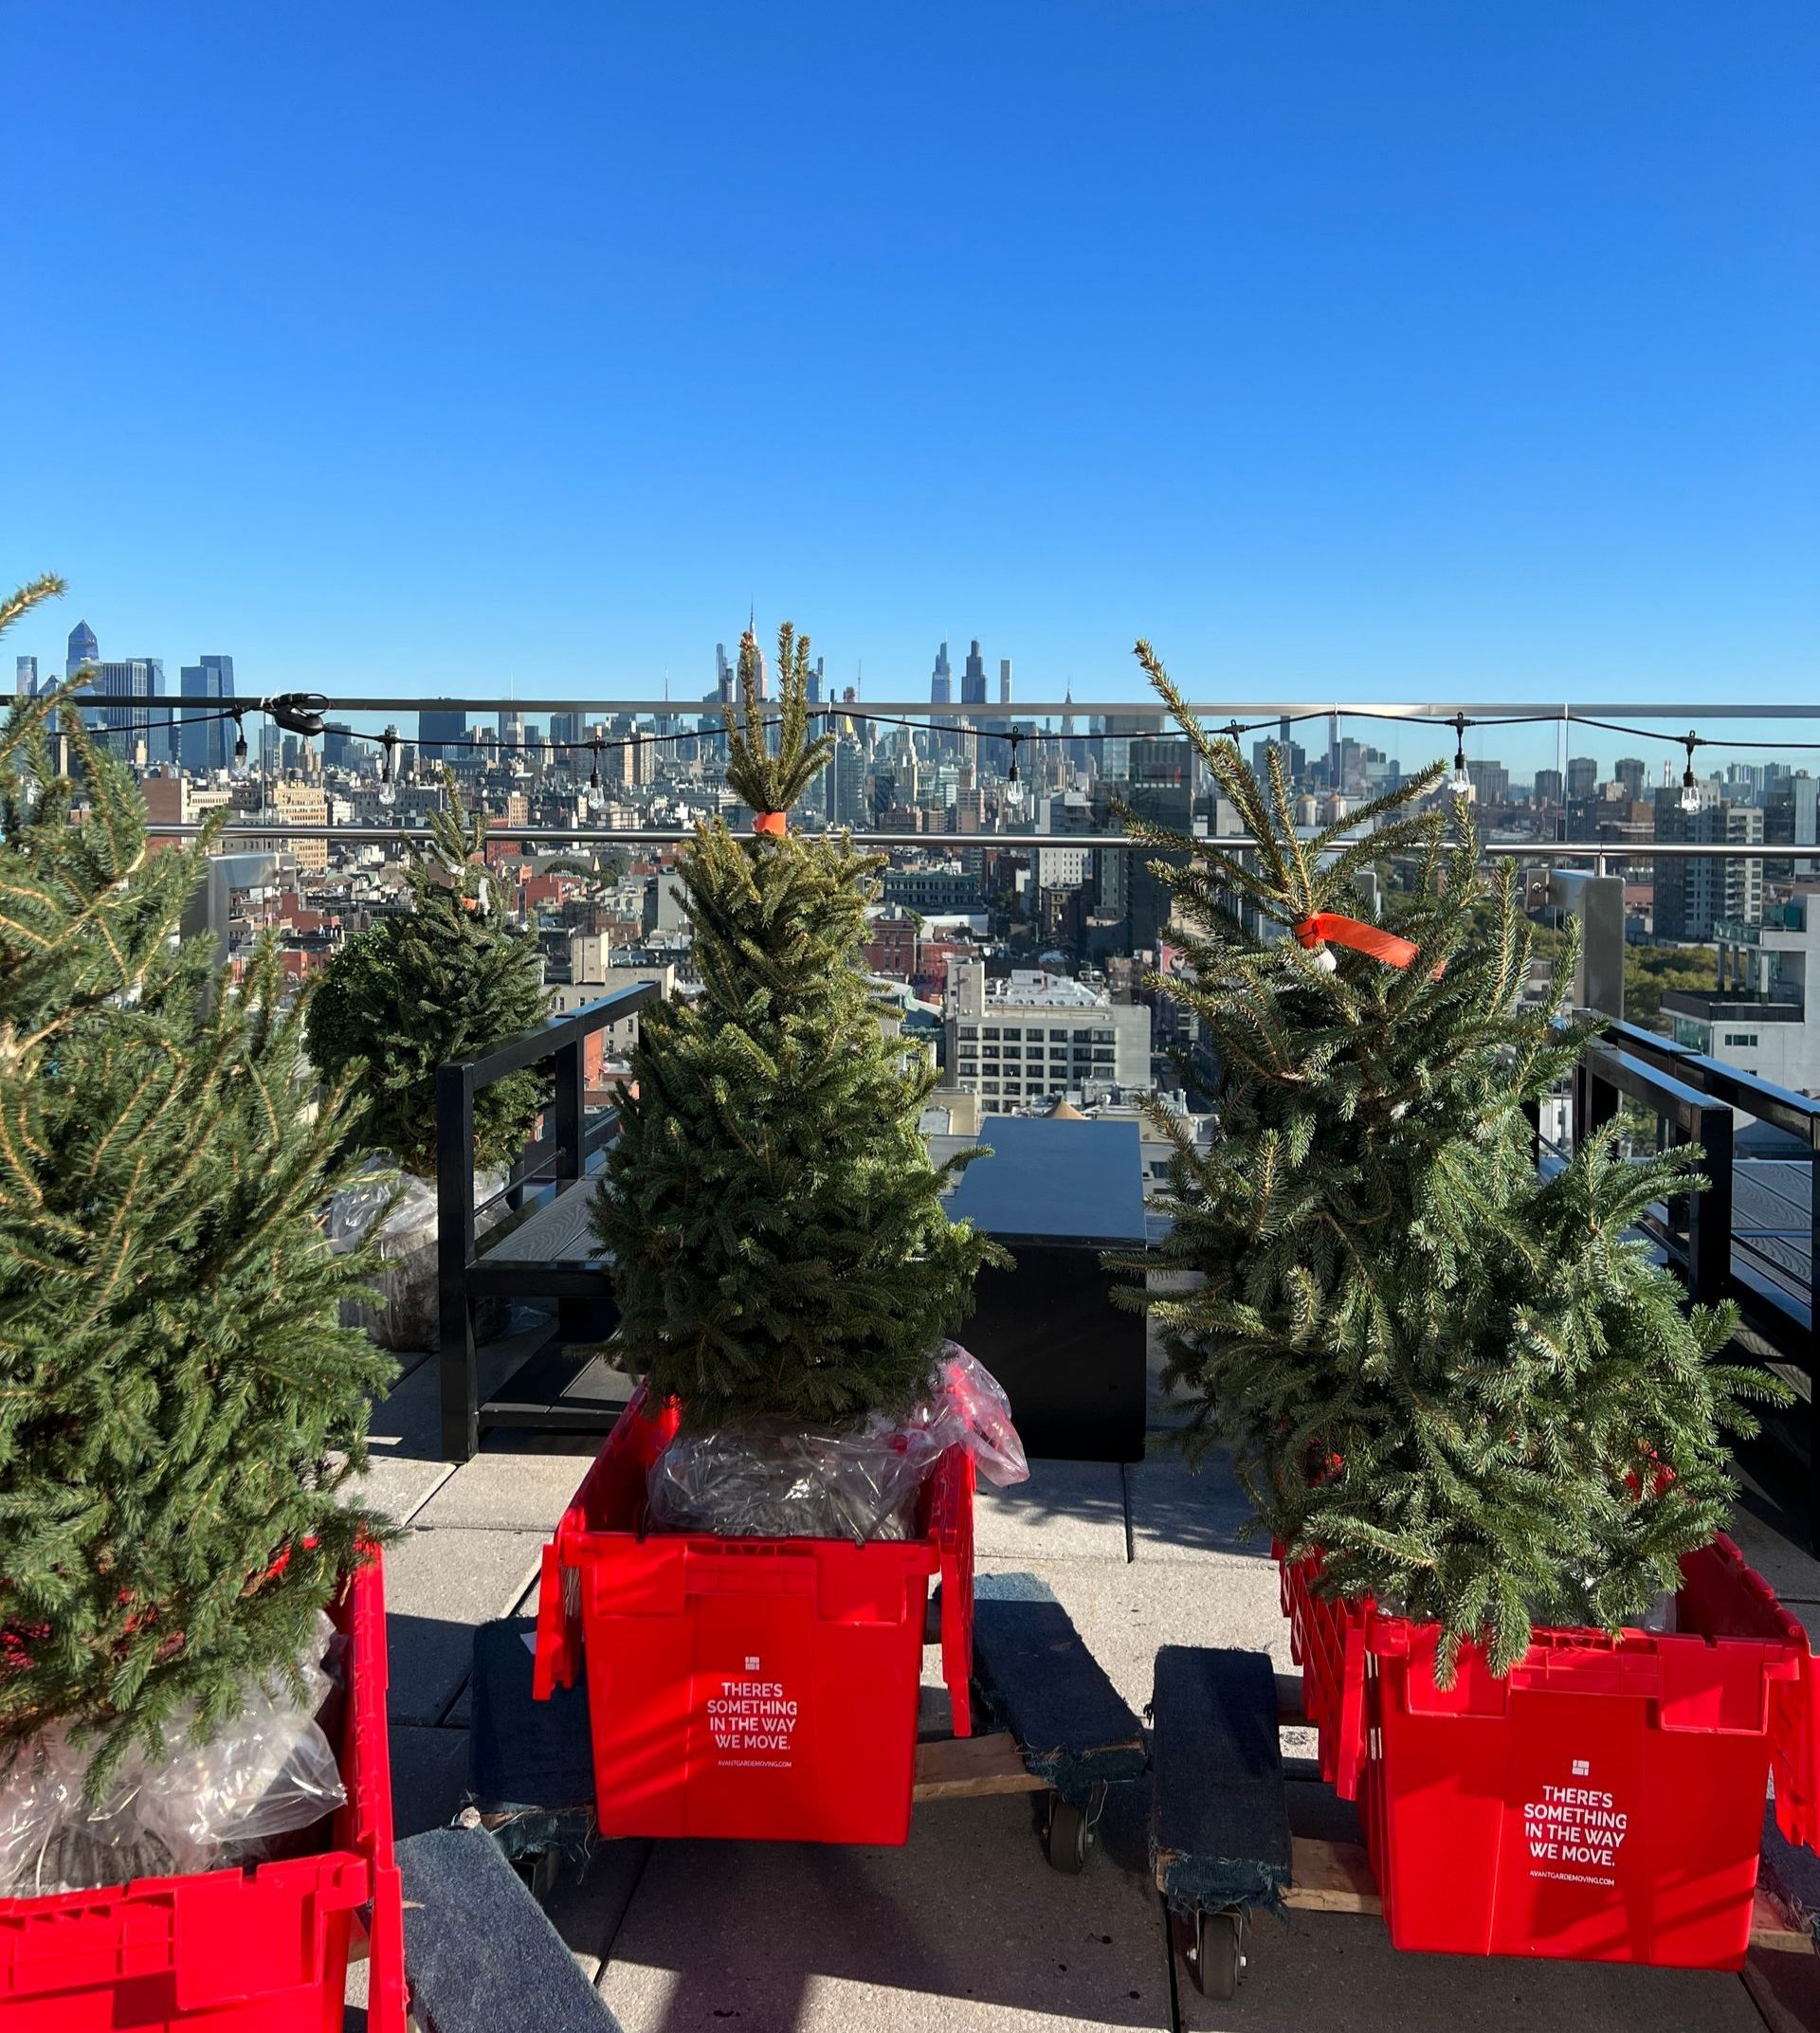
x: 1056, y: 1194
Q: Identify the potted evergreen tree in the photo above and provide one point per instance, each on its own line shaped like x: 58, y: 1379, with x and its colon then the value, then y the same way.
x: 785, y: 1276
x: 1468, y: 1406
x: 180, y: 1412
x: 780, y: 1246
x: 446, y: 979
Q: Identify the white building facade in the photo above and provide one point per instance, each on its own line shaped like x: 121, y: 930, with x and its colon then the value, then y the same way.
x: 1035, y: 1036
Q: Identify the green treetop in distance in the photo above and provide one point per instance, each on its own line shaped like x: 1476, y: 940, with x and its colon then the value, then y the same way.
x: 775, y: 1222
x: 448, y: 979
x: 178, y: 1408
x: 1469, y: 1388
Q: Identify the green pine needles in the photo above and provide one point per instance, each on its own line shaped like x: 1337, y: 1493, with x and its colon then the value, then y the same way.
x: 448, y: 979
x: 178, y: 1408
x: 780, y: 1242
x: 1469, y: 1388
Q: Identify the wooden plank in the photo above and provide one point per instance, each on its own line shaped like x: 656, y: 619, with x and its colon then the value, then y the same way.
x: 557, y: 1231
x: 966, y: 1768
x: 1771, y: 1927
x: 1336, y: 1878
x: 1331, y: 1877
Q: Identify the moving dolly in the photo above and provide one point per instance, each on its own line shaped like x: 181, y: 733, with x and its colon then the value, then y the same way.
x: 1220, y: 1840
x: 1050, y: 1722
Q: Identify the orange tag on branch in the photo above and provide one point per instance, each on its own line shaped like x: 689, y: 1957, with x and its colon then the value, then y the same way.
x: 770, y: 823
x: 1328, y: 928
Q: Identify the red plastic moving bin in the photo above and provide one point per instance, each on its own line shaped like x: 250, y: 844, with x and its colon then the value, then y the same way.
x: 260, y: 1951
x: 1604, y: 1801
x: 754, y: 1688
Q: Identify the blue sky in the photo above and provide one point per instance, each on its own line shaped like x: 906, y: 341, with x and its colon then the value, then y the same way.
x: 1348, y: 350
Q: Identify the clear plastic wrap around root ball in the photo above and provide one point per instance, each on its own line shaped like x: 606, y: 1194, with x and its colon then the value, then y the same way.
x: 405, y: 1282
x: 765, y: 1480
x: 268, y: 1771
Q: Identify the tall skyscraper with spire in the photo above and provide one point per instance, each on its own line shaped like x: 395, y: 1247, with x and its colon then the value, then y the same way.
x: 973, y: 678
x: 941, y: 691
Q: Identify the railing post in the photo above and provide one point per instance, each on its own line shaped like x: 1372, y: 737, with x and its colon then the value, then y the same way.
x: 454, y: 1253
x: 1595, y: 1100
x: 1709, y: 1214
x: 571, y: 1106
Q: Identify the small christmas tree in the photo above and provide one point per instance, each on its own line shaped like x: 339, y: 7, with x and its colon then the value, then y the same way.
x: 780, y: 1242
x: 448, y: 979
x: 1468, y: 1387
x: 178, y: 1409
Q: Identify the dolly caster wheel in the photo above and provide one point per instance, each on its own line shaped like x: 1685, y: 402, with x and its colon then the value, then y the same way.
x: 1066, y: 1838
x: 1211, y: 1946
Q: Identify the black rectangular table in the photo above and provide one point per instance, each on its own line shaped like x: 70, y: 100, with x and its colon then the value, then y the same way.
x: 1057, y: 1193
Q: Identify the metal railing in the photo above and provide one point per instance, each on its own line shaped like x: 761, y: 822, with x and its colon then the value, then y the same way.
x: 1752, y: 1237
x: 556, y: 1162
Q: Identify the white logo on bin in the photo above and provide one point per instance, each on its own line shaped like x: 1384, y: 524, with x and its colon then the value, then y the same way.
x: 1575, y: 1832
x: 752, y: 1663
x: 752, y: 1722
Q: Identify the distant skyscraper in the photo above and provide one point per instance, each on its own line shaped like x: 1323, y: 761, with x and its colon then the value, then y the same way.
x: 816, y: 678
x: 441, y: 725
x: 1582, y: 777
x: 1694, y: 894
x: 941, y: 689
x: 973, y: 678
x: 124, y: 715
x: 1004, y: 681
x: 203, y: 744
x: 25, y: 684
x: 724, y: 675
x: 511, y: 728
x: 84, y: 649
x: 1632, y: 773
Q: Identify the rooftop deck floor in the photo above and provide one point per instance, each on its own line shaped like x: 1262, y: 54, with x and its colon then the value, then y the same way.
x: 965, y: 1927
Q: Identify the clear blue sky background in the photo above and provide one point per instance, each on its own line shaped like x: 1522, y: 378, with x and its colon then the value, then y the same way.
x: 1367, y: 351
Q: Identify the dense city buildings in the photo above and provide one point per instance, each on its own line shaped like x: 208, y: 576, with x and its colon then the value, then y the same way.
x: 1046, y: 922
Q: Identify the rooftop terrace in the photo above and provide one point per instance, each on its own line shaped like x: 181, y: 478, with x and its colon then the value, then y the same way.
x: 965, y: 1927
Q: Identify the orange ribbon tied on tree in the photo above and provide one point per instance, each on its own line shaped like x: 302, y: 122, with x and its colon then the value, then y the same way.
x: 770, y: 823
x: 1325, y: 928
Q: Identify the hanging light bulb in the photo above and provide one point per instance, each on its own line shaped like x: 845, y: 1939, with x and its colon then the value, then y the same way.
x: 1460, y: 782
x: 388, y: 790
x: 240, y: 746
x: 1016, y: 738
x: 1689, y: 783
x: 593, y: 774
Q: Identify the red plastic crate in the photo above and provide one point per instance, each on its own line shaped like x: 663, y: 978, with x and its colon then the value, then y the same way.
x: 1603, y: 1801
x: 756, y: 1688
x: 260, y: 1951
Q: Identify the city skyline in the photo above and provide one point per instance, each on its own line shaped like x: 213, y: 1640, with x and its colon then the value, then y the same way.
x: 1523, y: 750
